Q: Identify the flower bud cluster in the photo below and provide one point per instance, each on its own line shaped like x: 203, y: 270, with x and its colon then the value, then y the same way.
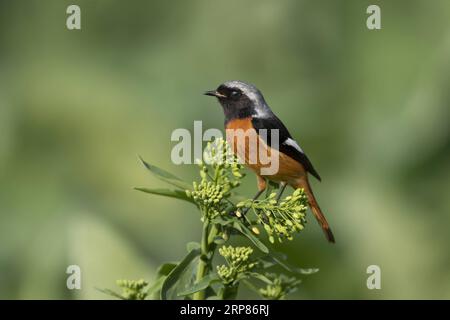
x: 238, y: 263
x: 280, y: 220
x: 281, y: 286
x: 133, y: 289
x: 218, y: 178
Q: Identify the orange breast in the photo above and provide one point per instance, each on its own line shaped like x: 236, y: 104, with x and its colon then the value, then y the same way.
x: 258, y: 156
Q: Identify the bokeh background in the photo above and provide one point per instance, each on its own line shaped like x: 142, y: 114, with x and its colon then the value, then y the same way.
x: 370, y: 108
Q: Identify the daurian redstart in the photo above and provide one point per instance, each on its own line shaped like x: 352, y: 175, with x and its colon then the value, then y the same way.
x: 246, y: 110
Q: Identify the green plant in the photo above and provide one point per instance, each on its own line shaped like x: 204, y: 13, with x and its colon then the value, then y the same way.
x: 131, y: 290
x: 221, y: 212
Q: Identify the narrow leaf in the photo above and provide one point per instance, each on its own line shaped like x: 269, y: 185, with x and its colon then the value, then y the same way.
x: 274, y: 258
x: 154, y: 290
x: 111, y: 293
x: 219, y: 240
x: 178, y: 194
x: 166, y: 268
x: 278, y: 258
x: 243, y: 229
x: 250, y: 285
x: 175, y: 274
x: 192, y: 246
x: 261, y: 277
x: 201, y: 285
x: 166, y: 176
x: 270, y: 261
x: 222, y: 221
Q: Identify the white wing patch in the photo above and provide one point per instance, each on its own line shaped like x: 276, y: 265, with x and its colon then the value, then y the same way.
x: 293, y: 143
x: 260, y: 113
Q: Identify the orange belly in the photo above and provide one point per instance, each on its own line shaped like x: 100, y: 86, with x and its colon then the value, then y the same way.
x: 255, y: 153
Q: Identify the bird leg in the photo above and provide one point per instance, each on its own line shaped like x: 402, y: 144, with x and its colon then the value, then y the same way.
x: 281, y: 190
x: 262, y: 184
x: 253, y: 199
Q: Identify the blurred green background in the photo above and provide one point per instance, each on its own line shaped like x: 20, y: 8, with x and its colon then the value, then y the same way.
x: 370, y: 108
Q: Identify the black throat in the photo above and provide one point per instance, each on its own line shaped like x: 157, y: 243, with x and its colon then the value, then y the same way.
x: 232, y: 114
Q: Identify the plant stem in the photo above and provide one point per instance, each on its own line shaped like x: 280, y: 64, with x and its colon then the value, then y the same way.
x: 203, y: 262
x: 207, y: 248
x: 230, y: 292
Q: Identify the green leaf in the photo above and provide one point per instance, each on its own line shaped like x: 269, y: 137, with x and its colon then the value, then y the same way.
x: 163, y: 271
x: 249, y: 234
x: 210, y: 292
x: 270, y: 261
x: 166, y: 268
x: 223, y: 222
x: 219, y: 240
x: 261, y: 277
x: 154, y: 290
x: 192, y: 246
x: 111, y: 293
x: 274, y: 258
x: 250, y: 285
x: 166, y: 176
x: 176, y: 273
x: 178, y: 194
x: 201, y: 285
x: 229, y: 292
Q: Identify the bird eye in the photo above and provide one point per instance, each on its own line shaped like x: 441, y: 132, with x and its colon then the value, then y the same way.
x: 235, y: 94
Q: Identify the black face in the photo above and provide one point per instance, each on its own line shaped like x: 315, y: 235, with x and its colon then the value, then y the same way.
x: 239, y: 99
x: 231, y: 94
x: 235, y: 103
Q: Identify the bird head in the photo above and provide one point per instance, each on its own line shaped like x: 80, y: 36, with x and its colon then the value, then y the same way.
x: 239, y: 99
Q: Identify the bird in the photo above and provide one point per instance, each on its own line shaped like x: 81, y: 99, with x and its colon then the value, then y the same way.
x: 246, y: 109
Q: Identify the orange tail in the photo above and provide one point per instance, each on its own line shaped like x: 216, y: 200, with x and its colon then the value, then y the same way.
x: 316, y: 209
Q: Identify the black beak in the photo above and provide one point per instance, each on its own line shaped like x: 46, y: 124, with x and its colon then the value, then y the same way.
x: 214, y: 93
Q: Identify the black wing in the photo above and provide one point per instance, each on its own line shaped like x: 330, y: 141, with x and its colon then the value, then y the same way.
x: 273, y: 122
